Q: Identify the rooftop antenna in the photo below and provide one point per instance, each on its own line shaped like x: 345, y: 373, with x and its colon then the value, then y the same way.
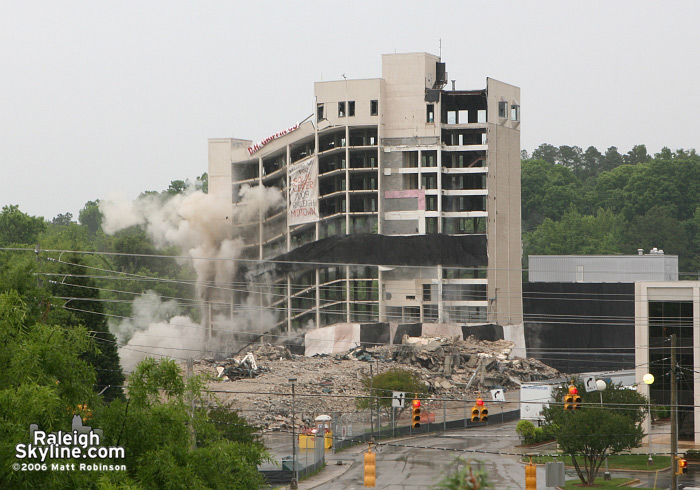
x: 440, y: 39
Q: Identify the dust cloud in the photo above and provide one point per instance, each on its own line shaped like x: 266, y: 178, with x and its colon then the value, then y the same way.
x: 204, y: 230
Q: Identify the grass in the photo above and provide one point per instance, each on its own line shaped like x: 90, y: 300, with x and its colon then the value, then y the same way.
x: 599, y: 482
x: 615, y: 461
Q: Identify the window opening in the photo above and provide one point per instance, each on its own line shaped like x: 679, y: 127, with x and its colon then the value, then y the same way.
x: 351, y: 108
x: 373, y: 107
x: 451, y: 117
x: 481, y: 116
x: 503, y: 109
x: 463, y: 117
x: 515, y: 113
x: 341, y: 109
x: 430, y: 113
x: 319, y: 112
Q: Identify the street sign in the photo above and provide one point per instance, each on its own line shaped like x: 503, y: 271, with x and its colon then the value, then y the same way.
x: 397, y: 399
x: 498, y: 395
x: 589, y: 383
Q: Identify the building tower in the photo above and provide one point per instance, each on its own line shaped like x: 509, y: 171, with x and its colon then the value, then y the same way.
x: 402, y: 201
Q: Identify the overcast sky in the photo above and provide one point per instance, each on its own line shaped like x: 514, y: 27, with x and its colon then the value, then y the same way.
x: 104, y: 97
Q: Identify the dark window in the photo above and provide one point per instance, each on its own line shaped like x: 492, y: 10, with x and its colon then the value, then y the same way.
x: 503, y: 109
x: 430, y: 113
x: 351, y: 108
x: 426, y: 292
x: 341, y: 109
x: 373, y: 107
x: 319, y: 112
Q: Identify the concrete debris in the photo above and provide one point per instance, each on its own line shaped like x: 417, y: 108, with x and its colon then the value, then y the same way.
x: 451, y: 367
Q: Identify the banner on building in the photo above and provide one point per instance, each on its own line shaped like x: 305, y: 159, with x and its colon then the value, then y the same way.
x: 303, y: 192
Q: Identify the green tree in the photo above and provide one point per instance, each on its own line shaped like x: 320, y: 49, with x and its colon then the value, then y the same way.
x: 43, y: 382
x: 384, y: 384
x: 577, y: 234
x: 168, y: 445
x: 91, y: 217
x: 82, y: 306
x: 19, y: 228
x: 638, y: 154
x: 62, y: 219
x: 548, y: 190
x: 176, y: 187
x: 546, y: 152
x: 597, y: 429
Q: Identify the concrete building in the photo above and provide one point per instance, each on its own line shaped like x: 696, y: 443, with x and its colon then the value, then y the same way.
x: 402, y: 202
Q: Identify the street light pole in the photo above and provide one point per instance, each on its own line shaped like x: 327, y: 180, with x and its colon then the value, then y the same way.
x: 649, y: 380
x: 293, y: 483
x: 601, y: 385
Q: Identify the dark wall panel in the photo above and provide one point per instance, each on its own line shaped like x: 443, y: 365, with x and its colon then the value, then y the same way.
x: 580, y: 327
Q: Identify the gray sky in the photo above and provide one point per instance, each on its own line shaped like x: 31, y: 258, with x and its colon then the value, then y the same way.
x: 103, y: 97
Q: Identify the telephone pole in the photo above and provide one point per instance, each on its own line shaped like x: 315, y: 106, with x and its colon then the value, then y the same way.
x: 674, y: 415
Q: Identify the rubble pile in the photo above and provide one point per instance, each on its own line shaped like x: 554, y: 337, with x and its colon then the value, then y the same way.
x: 326, y: 384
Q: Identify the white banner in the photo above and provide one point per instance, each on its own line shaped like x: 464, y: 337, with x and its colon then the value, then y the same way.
x: 303, y: 192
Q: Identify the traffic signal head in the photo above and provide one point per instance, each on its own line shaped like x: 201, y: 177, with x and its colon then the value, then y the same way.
x: 530, y: 477
x: 682, y: 466
x: 475, y: 413
x: 484, y: 415
x: 568, y: 402
x: 370, y: 469
x: 415, y: 414
x: 577, y: 402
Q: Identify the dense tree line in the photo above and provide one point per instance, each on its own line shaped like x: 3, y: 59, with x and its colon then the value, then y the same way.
x: 588, y: 202
x: 59, y: 359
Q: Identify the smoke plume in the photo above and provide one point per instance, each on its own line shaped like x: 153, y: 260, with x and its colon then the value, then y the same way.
x: 203, y: 229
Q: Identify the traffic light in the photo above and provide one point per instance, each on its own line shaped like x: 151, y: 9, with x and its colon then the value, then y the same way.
x: 577, y: 401
x: 370, y: 468
x: 483, y: 411
x: 530, y: 477
x: 682, y: 466
x: 475, y: 413
x: 415, y: 416
x: 572, y: 400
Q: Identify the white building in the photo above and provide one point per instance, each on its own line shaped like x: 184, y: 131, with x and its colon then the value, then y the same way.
x: 402, y: 201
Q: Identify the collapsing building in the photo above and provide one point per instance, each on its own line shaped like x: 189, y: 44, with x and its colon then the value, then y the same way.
x: 400, y: 202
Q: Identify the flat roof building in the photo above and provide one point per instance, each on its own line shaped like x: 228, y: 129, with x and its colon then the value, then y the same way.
x: 401, y: 202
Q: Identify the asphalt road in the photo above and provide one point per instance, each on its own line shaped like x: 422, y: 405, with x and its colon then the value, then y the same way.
x: 410, y: 465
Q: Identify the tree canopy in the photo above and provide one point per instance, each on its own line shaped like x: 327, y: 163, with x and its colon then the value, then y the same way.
x: 606, y: 422
x: 588, y: 202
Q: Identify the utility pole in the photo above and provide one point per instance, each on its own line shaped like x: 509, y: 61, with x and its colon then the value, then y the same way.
x: 293, y: 485
x: 193, y: 433
x: 674, y: 415
x: 371, y: 391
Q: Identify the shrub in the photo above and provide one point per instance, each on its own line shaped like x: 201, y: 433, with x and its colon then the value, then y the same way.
x: 527, y: 431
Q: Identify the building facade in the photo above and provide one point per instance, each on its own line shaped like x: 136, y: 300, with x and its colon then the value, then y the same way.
x: 401, y: 202
x: 663, y: 309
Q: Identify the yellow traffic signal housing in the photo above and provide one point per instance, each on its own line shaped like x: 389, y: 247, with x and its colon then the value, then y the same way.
x: 682, y: 466
x: 484, y: 415
x: 370, y: 468
x: 569, y: 402
x: 415, y: 414
x: 530, y: 477
x: 475, y: 413
x: 576, y: 402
